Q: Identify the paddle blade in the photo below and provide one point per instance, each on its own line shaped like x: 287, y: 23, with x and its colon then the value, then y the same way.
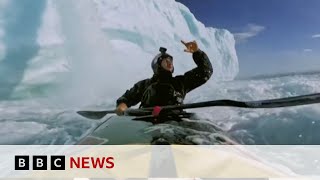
x: 94, y: 114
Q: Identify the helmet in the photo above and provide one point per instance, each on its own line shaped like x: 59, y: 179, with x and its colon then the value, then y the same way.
x: 155, y: 64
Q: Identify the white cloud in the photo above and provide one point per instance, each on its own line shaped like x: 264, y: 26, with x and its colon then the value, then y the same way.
x: 316, y: 36
x: 251, y: 30
x: 307, y: 50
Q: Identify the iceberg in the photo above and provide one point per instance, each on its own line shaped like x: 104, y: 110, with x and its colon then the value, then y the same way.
x: 101, y: 47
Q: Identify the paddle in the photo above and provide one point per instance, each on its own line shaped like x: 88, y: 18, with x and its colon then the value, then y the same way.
x: 95, y: 114
x: 271, y: 103
x: 101, y: 114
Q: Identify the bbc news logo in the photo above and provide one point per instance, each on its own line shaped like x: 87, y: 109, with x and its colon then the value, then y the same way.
x: 41, y: 162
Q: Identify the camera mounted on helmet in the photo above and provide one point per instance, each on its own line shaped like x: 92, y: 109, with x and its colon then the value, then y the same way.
x: 155, y: 64
x: 163, y: 50
x: 163, y: 55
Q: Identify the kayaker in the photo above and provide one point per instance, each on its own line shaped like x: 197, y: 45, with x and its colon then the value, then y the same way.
x: 164, y: 89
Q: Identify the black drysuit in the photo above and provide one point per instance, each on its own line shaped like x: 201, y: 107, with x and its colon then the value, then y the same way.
x: 163, y: 89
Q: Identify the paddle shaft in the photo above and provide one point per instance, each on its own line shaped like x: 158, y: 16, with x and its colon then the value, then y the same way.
x: 272, y: 103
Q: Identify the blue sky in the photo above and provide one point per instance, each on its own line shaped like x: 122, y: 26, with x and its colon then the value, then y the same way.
x: 273, y: 36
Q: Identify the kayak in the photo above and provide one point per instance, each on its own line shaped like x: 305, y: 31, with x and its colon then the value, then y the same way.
x: 118, y: 130
x: 136, y: 128
x: 124, y: 130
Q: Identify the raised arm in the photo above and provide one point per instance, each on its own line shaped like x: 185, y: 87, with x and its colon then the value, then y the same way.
x: 199, y: 75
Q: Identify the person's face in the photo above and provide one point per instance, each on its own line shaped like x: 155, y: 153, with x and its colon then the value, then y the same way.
x: 167, y: 64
